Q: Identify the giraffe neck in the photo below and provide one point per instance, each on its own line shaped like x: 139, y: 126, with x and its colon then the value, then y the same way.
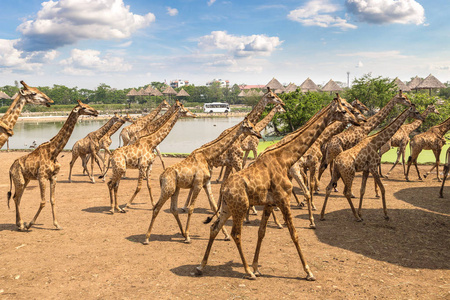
x: 385, y: 135
x: 294, y: 148
x: 59, y: 141
x: 220, y: 145
x: 408, y: 128
x: 12, y: 114
x: 376, y: 119
x: 266, y: 120
x: 150, y: 128
x: 115, y: 127
x: 142, y: 121
x: 156, y: 137
x: 104, y: 129
x: 444, y: 127
x: 256, y: 112
x: 331, y: 130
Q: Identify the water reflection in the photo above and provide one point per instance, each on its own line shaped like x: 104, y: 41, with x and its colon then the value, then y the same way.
x: 186, y: 136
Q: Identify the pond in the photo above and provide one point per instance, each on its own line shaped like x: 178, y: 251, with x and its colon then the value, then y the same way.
x: 187, y: 135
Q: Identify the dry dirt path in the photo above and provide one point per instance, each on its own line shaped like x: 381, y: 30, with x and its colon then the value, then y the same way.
x: 98, y: 255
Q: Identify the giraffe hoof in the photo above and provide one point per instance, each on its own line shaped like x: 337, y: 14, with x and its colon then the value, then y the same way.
x: 425, y: 175
x: 198, y: 271
x: 359, y: 220
x: 377, y: 196
x: 250, y: 276
x: 312, y: 226
x: 279, y: 226
x: 122, y: 211
x: 146, y: 242
x: 310, y: 277
x: 257, y: 273
x: 227, y: 238
x: 386, y: 218
x: 188, y: 241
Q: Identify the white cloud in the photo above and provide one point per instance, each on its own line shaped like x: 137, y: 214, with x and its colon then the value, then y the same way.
x: 320, y: 13
x: 211, y: 2
x: 172, y: 11
x: 375, y: 54
x: 65, y: 22
x: 387, y: 11
x: 359, y: 65
x: 89, y: 62
x: 12, y: 58
x: 240, y: 46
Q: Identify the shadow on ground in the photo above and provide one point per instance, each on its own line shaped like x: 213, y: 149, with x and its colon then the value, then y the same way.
x: 412, y: 238
x: 427, y: 198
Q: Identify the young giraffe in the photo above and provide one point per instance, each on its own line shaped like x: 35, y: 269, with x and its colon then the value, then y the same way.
x: 26, y: 95
x: 365, y: 157
x: 432, y: 139
x: 139, y: 155
x: 446, y: 169
x: 194, y: 173
x: 106, y: 141
x: 352, y: 136
x: 42, y: 165
x: 265, y: 182
x: 401, y: 139
x: 140, y: 123
x: 250, y: 143
x: 89, y: 145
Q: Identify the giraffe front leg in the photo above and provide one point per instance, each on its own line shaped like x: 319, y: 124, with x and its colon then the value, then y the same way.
x: 213, y: 205
x: 53, y: 201
x: 195, y: 191
x: 42, y: 204
x: 138, y: 187
x: 268, y: 210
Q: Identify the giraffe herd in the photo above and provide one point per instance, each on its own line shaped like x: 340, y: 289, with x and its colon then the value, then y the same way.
x: 321, y: 142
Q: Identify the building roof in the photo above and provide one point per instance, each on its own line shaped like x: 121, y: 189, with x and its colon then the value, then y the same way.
x: 169, y: 91
x: 149, y: 90
x: 430, y: 82
x: 3, y: 95
x: 182, y: 93
x: 414, y: 82
x: 290, y: 88
x: 331, y: 86
x: 251, y: 86
x: 241, y: 94
x: 275, y: 85
x: 401, y: 85
x: 132, y: 92
x: 308, y: 85
x: 141, y: 92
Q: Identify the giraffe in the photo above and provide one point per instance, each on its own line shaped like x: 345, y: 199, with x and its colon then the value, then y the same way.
x: 353, y: 135
x: 446, y: 169
x: 42, y: 165
x: 106, y: 141
x: 250, y: 143
x: 432, y: 139
x: 194, y: 173
x: 129, y: 130
x: 401, y: 139
x: 365, y: 157
x: 26, y: 95
x: 139, y: 155
x: 265, y: 182
x: 90, y: 145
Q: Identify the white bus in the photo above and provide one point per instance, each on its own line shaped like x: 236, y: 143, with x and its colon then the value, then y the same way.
x: 216, y: 107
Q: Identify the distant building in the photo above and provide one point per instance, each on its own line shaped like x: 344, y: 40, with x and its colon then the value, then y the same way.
x: 176, y: 83
x: 223, y: 83
x: 251, y: 86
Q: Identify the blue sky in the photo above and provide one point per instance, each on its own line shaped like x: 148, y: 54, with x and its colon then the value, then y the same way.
x: 130, y: 43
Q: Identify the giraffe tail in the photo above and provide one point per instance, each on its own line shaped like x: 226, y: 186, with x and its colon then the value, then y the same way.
x: 10, y: 187
x: 209, y: 219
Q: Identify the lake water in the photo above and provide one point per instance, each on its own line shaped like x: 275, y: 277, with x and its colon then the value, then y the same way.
x: 187, y: 134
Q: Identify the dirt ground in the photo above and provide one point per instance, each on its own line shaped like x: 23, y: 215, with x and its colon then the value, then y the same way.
x: 99, y: 255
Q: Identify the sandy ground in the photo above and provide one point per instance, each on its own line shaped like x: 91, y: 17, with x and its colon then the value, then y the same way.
x: 99, y: 255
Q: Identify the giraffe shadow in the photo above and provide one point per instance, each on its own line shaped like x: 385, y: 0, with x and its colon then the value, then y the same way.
x: 177, y: 237
x: 97, y: 209
x: 8, y: 227
x: 412, y: 238
x: 225, y: 270
x: 197, y: 210
x: 426, y: 197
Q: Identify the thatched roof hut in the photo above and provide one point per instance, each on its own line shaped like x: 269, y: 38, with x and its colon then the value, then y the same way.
x: 132, y: 92
x: 149, y: 90
x: 182, y: 93
x: 430, y: 83
x: 401, y: 85
x: 275, y: 86
x: 156, y: 92
x: 331, y: 86
x: 290, y: 88
x: 241, y: 94
x: 252, y: 93
x: 169, y: 91
x: 142, y: 92
x: 414, y: 83
x: 3, y: 95
x: 309, y: 86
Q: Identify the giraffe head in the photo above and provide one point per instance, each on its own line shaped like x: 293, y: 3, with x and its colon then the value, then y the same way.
x: 34, y: 96
x: 414, y: 113
x: 353, y: 109
x: 359, y: 105
x: 127, y: 118
x: 432, y: 109
x: 340, y: 113
x: 402, y: 99
x: 116, y: 117
x: 279, y: 109
x: 186, y: 112
x: 84, y: 109
x: 271, y: 97
x: 247, y: 128
x: 164, y: 104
